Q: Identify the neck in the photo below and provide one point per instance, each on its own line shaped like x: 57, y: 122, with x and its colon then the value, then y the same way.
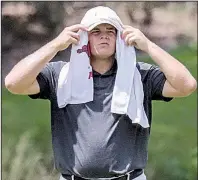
x: 102, y: 65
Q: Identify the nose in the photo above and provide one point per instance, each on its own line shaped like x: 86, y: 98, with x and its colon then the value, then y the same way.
x: 104, y: 36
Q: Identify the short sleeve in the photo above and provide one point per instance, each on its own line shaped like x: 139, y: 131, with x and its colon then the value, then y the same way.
x: 158, y: 80
x: 154, y: 80
x: 47, y: 80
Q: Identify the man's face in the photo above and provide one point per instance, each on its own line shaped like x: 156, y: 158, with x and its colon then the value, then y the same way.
x: 102, y: 40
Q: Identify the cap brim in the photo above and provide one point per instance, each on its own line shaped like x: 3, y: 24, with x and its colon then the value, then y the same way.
x: 100, y: 22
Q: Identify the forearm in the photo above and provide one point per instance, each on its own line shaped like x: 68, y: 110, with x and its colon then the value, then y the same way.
x: 24, y: 73
x: 176, y: 73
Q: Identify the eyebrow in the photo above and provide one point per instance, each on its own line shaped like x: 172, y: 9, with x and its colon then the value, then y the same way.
x: 111, y: 28
x: 108, y: 28
x: 95, y: 29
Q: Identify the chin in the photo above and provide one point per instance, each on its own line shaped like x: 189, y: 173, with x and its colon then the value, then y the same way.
x: 104, y: 55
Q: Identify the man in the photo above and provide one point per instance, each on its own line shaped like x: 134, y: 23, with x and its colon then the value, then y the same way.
x: 89, y: 141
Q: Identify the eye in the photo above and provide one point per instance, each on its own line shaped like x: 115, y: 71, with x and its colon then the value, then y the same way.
x: 95, y: 31
x: 111, y: 31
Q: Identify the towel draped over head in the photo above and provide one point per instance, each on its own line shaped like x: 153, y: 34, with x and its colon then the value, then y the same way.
x: 75, y: 83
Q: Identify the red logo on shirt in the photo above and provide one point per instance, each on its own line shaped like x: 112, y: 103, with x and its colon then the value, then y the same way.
x: 86, y: 49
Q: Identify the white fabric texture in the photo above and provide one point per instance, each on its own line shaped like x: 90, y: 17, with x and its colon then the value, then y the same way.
x: 141, y: 177
x: 76, y: 86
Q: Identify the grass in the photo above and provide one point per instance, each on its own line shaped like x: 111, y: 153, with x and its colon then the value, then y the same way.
x: 24, y: 162
x: 173, y: 142
x: 26, y: 136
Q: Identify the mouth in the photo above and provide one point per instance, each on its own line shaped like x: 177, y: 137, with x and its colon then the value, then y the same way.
x: 104, y: 43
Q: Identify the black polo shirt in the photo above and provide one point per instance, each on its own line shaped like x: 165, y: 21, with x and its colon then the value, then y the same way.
x: 88, y: 140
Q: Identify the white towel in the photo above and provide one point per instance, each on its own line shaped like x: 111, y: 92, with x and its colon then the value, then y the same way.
x: 75, y: 84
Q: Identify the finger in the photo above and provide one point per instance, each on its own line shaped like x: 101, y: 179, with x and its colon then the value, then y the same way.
x: 77, y: 27
x: 132, y: 41
x: 74, y: 35
x: 126, y: 32
x: 128, y: 36
x: 74, y: 41
x: 128, y: 28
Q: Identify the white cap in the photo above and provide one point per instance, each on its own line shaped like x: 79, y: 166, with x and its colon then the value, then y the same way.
x: 99, y: 15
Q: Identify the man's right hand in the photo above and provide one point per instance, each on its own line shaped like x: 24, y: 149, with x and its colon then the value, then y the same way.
x: 22, y: 77
x: 69, y: 36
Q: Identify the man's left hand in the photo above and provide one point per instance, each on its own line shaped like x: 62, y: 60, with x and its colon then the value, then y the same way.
x: 134, y: 37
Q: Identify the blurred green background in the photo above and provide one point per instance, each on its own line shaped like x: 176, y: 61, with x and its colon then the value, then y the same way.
x: 26, y: 136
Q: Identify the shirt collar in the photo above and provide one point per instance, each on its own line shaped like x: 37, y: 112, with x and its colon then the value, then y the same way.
x: 111, y: 71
